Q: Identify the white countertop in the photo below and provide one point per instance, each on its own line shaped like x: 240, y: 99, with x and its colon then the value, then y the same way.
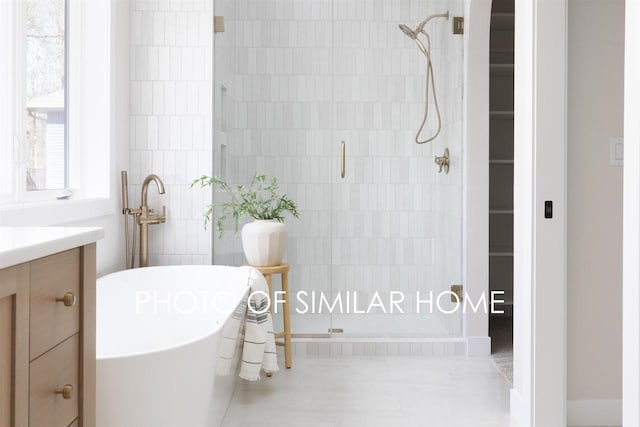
x: 24, y: 244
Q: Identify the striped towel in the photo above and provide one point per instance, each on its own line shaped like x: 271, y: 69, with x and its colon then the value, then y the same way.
x: 231, y: 340
x: 259, y: 351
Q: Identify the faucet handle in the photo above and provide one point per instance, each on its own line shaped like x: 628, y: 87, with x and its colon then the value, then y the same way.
x: 159, y: 218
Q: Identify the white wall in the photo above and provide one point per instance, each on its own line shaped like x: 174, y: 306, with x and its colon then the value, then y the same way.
x: 110, y: 250
x: 476, y: 172
x: 631, y: 220
x: 171, y: 48
x: 594, y: 213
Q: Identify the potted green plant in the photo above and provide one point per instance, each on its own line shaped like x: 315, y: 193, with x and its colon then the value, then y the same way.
x: 264, y: 240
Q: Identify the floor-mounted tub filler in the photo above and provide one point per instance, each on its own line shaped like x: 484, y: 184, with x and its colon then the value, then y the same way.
x: 161, y: 356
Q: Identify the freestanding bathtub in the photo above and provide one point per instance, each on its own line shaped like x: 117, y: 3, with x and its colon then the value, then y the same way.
x: 161, y: 357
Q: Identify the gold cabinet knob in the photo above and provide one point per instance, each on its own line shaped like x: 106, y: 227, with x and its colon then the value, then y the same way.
x: 65, y: 391
x: 68, y: 299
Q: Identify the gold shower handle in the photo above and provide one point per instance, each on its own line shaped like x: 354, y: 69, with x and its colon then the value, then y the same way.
x: 342, y: 159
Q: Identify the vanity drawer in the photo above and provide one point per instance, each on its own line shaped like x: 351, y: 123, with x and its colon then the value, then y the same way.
x: 53, y: 321
x: 49, y: 373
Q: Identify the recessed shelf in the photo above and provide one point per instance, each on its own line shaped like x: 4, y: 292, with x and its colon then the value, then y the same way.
x: 501, y: 114
x: 502, y: 22
x: 501, y: 70
x: 501, y: 164
x: 501, y: 56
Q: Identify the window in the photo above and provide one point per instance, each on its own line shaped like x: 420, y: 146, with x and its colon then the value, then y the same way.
x: 55, y: 102
x: 45, y: 81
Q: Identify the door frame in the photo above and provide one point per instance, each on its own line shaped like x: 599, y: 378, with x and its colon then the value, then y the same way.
x: 540, y: 175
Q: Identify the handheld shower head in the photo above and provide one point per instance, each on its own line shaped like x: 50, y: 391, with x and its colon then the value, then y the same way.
x: 413, y: 35
x: 426, y: 50
x: 408, y: 31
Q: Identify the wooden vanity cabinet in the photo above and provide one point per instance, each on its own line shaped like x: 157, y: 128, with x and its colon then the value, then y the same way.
x: 47, y: 341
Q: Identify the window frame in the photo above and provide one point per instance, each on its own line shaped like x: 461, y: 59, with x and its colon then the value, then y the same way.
x: 87, y: 157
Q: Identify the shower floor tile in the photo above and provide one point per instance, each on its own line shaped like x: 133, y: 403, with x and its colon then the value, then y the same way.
x: 375, y: 391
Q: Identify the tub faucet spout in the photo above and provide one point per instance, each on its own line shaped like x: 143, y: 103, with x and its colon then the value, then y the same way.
x: 147, y: 217
x: 145, y: 186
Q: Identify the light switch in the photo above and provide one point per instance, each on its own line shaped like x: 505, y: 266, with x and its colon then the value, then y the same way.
x: 616, y: 151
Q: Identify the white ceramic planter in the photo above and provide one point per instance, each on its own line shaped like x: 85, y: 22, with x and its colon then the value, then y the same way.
x: 264, y: 242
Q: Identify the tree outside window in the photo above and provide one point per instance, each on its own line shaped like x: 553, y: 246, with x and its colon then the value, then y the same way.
x: 46, y: 86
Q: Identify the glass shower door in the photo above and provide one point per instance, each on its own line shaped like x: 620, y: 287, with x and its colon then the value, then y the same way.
x: 273, y: 116
x: 396, y: 221
x: 296, y: 78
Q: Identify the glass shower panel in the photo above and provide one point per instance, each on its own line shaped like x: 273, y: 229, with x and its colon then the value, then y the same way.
x: 273, y: 116
x: 396, y: 231
x: 296, y: 78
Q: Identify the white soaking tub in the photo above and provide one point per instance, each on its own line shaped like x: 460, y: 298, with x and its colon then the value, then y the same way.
x: 159, y: 341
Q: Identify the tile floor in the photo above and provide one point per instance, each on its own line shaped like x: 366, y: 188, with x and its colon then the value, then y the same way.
x: 375, y: 391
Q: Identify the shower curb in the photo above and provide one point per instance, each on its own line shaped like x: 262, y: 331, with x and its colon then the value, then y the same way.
x: 343, y: 347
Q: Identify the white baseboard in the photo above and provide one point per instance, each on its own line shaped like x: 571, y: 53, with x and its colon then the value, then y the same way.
x: 594, y: 413
x: 519, y: 409
x: 478, y: 346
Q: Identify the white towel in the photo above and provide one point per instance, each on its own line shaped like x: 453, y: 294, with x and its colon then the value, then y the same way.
x: 259, y: 351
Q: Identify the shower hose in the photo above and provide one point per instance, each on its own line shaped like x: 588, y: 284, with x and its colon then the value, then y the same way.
x: 429, y: 79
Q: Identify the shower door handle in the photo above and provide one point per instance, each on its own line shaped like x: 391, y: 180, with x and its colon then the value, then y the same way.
x: 342, y: 159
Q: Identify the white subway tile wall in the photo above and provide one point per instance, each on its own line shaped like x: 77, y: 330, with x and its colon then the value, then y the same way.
x: 293, y: 79
x: 171, y: 79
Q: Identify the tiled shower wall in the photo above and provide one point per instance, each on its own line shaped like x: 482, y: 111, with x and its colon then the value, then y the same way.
x: 171, y: 121
x: 293, y: 79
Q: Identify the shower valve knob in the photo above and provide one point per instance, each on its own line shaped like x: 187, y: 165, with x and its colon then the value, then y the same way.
x: 443, y: 161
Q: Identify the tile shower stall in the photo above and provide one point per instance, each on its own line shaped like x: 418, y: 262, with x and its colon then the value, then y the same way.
x: 290, y: 81
x: 294, y: 79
